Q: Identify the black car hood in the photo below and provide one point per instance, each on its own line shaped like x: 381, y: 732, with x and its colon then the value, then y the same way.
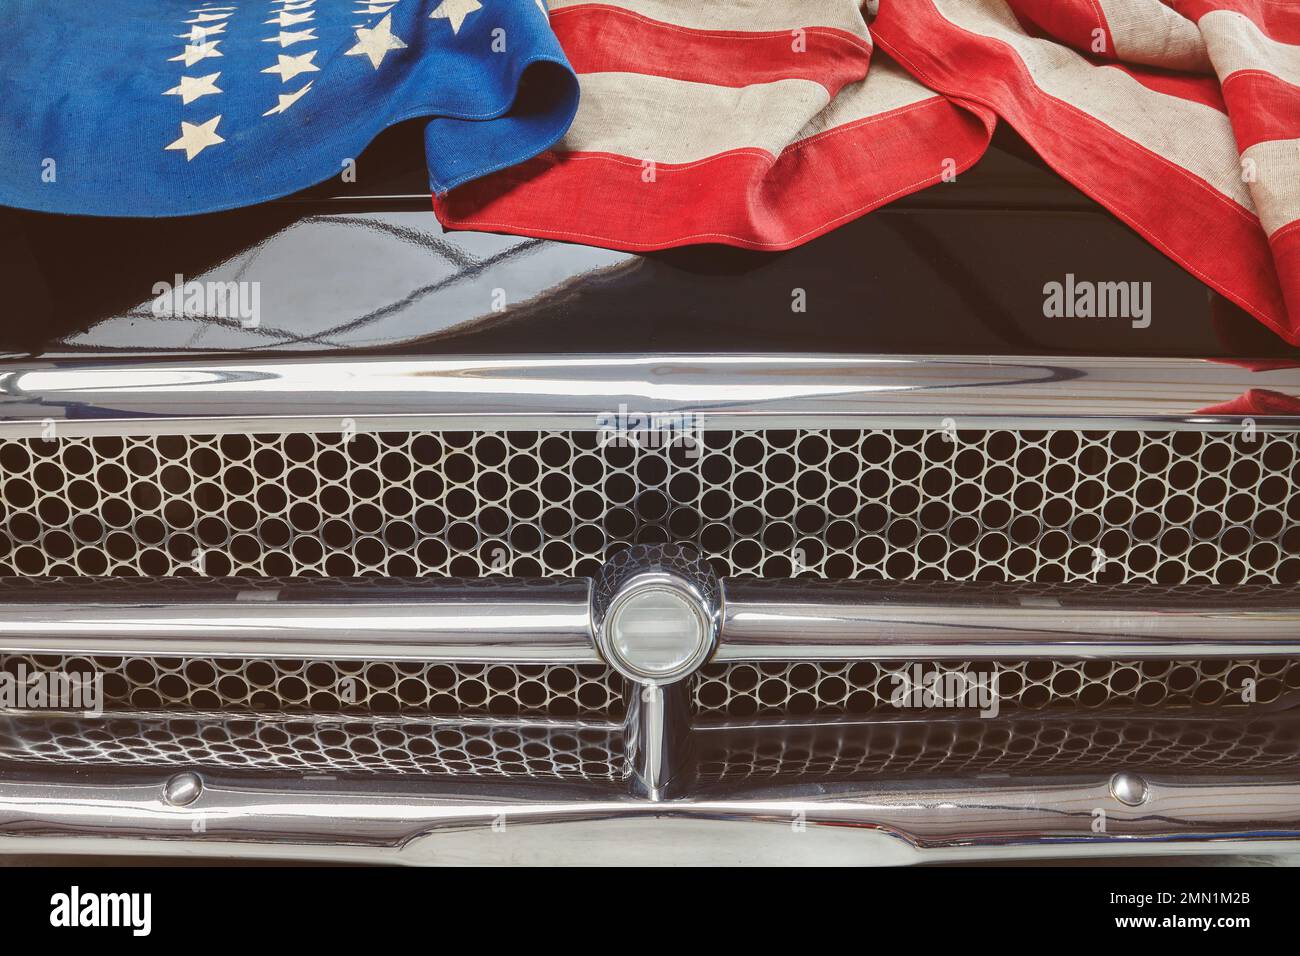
x: 957, y: 269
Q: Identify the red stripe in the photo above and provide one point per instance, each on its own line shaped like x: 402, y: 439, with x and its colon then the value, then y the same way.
x: 1263, y: 108
x: 1070, y: 21
x: 1208, y: 234
x: 604, y: 39
x: 1275, y: 19
x: 736, y: 198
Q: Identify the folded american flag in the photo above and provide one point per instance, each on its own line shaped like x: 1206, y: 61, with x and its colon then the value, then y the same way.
x: 757, y: 124
x: 1181, y: 117
x: 764, y: 124
x: 168, y: 107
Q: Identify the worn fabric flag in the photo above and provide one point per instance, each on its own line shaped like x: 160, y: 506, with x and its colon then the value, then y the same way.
x: 754, y: 123
x: 1182, y: 117
x: 171, y: 107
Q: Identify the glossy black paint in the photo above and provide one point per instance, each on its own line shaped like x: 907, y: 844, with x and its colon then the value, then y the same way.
x: 958, y: 268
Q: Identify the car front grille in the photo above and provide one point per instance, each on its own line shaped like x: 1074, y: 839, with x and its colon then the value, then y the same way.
x: 960, y: 505
x: 956, y: 508
x: 416, y: 579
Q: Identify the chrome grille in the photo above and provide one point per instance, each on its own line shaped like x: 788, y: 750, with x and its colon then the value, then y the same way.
x: 867, y: 687
x: 1162, y: 507
x: 342, y: 687
x: 351, y: 746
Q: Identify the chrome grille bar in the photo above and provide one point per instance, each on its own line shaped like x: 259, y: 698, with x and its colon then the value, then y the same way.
x: 538, y: 621
x: 787, y: 620
x: 97, y: 397
x: 547, y: 620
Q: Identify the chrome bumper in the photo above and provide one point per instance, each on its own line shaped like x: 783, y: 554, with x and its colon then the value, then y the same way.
x: 948, y: 821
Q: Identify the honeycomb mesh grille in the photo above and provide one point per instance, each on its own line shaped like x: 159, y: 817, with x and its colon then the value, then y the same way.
x: 343, y: 687
x: 1027, y: 745
x: 1109, y: 506
x: 873, y: 688
x: 350, y: 746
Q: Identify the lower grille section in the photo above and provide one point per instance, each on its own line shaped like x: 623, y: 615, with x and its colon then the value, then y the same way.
x: 345, y: 747
x: 752, y: 719
x: 946, y: 748
x: 493, y: 679
x: 796, y: 689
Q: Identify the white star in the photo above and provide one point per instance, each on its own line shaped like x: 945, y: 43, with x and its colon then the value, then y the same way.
x: 291, y: 66
x: 298, y: 6
x: 197, y: 51
x: 195, y: 139
x: 456, y: 11
x: 208, y: 17
x: 197, y: 34
x: 192, y: 87
x: 290, y: 37
x: 377, y: 42
x: 289, y: 19
x: 372, y: 8
x: 287, y: 100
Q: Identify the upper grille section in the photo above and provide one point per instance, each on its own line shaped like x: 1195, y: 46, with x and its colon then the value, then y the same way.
x: 1163, y: 507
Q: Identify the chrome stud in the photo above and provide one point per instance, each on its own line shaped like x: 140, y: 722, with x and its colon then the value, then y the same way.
x: 1129, y: 789
x: 183, y: 789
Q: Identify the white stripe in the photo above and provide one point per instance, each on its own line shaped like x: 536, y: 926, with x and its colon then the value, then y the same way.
x: 1277, y: 181
x: 754, y: 16
x: 887, y: 87
x: 1147, y: 31
x: 1189, y: 134
x: 1235, y: 44
x: 676, y: 121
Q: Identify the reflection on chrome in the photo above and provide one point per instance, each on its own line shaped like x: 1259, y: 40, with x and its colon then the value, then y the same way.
x: 571, y: 390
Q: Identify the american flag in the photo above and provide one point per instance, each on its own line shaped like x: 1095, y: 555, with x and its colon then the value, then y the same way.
x: 764, y: 124
x: 171, y: 107
x: 751, y: 123
x: 1182, y: 118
